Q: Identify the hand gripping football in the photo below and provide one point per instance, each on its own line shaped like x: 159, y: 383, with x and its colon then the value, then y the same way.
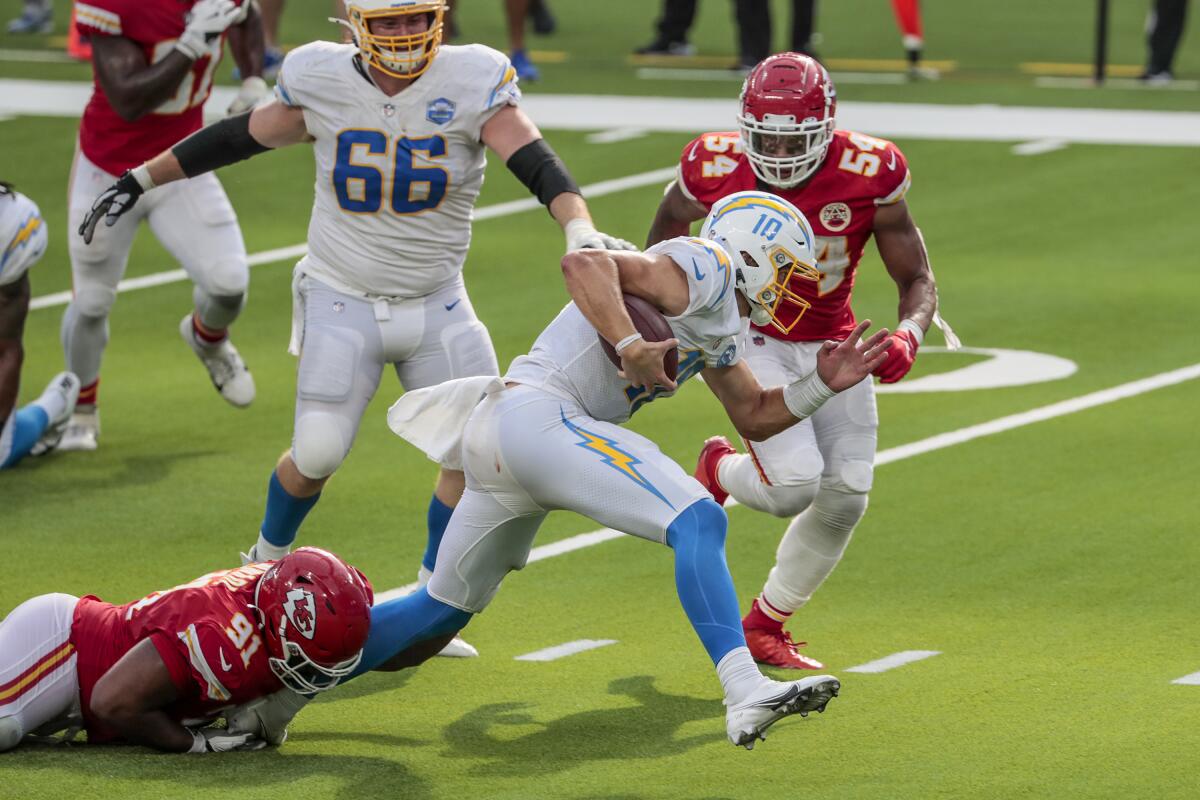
x: 653, y: 327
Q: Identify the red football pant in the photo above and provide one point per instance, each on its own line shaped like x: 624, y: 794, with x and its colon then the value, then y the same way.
x: 908, y: 19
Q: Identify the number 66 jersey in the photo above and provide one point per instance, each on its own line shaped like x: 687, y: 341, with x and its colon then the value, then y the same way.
x: 396, y: 176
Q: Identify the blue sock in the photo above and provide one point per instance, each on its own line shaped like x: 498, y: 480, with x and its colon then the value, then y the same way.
x: 399, y: 624
x: 284, y: 513
x: 436, y: 520
x: 702, y: 577
x: 28, y: 426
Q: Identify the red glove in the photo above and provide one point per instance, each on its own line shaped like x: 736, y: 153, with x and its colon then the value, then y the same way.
x: 902, y: 352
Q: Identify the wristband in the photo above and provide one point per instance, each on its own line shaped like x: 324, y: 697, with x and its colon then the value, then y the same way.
x: 913, y: 328
x: 805, y: 396
x: 628, y: 340
x: 142, y: 176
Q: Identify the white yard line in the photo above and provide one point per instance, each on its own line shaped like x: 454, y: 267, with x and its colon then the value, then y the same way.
x: 614, y: 135
x: 1038, y: 146
x: 1188, y: 680
x: 893, y: 661
x: 943, y: 440
x: 293, y: 252
x: 564, y: 650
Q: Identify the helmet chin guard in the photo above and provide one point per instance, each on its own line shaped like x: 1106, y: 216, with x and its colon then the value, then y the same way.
x: 404, y: 56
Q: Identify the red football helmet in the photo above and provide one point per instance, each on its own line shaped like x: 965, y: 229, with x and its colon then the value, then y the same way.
x: 315, y: 611
x: 786, y: 119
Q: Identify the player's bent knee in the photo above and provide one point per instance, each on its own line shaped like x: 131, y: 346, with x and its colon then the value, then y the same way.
x: 788, y: 500
x: 318, y: 449
x: 226, y: 277
x: 703, y: 522
x: 11, y: 733
x: 94, y: 300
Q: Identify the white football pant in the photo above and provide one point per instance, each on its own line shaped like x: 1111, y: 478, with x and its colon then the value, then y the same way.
x: 39, y: 688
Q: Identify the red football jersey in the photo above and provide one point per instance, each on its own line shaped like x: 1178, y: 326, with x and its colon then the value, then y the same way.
x: 859, y: 174
x: 110, y: 142
x: 206, y: 632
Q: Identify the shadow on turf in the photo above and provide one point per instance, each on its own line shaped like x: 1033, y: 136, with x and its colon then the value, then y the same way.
x: 649, y: 730
x: 137, y: 470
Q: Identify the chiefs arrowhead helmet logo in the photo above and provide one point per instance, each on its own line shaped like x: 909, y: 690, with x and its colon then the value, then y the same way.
x: 301, y: 611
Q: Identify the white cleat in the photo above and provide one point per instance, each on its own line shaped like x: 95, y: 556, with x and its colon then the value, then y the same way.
x: 66, y: 386
x: 252, y: 556
x: 83, y: 430
x: 747, y: 722
x: 225, y: 367
x: 457, y: 648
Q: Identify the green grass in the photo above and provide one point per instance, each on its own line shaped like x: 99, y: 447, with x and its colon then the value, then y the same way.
x: 1053, y: 566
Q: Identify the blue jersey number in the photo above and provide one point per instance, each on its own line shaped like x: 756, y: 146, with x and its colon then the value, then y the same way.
x: 359, y: 187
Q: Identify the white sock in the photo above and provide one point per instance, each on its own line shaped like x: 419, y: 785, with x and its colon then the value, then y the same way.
x: 739, y: 675
x: 52, y: 402
x: 423, y: 576
x: 738, y: 475
x: 269, y: 552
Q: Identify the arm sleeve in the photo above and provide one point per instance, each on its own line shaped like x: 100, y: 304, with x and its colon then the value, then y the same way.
x: 709, y: 278
x: 176, y: 662
x: 894, y: 179
x: 98, y: 18
x: 213, y: 665
x: 503, y: 89
x: 23, y: 236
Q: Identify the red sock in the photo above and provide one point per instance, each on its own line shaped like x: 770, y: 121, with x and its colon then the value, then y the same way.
x: 764, y: 617
x: 87, y: 395
x: 207, y: 336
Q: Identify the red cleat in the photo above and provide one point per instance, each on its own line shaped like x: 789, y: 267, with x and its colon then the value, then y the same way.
x: 715, y: 448
x: 777, y: 649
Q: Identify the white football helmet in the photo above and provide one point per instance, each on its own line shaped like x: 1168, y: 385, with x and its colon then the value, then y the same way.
x: 769, y: 242
x: 404, y: 56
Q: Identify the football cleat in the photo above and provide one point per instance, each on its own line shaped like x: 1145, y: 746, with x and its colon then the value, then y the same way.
x: 526, y: 71
x: 33, y: 21
x: 778, y: 649
x: 66, y: 386
x: 225, y: 366
x: 747, y: 722
x: 83, y: 430
x: 457, y: 648
x: 715, y: 448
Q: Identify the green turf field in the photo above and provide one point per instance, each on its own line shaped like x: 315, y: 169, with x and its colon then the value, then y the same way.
x: 1052, y: 566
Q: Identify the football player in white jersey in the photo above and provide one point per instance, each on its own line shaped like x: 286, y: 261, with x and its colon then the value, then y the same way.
x: 39, y: 425
x: 400, y: 126
x: 546, y: 437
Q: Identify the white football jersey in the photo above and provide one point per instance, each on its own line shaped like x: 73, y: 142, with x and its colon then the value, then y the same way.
x: 397, y: 177
x: 22, y: 236
x: 567, y: 359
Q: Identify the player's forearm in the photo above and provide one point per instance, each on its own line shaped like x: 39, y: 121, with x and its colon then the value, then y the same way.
x: 136, y: 93
x: 152, y: 729
x: 594, y: 283
x: 246, y: 44
x: 918, y: 300
x: 568, y: 206
x: 11, y: 355
x: 666, y: 226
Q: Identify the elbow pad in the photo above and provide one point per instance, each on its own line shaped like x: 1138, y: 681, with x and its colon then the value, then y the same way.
x: 537, y: 166
x: 219, y: 145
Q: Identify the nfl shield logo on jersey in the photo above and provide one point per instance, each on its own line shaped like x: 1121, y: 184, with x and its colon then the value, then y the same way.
x: 301, y: 611
x: 440, y: 111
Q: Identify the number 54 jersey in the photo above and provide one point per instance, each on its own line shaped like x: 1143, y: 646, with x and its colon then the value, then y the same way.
x: 859, y: 174
x: 397, y: 176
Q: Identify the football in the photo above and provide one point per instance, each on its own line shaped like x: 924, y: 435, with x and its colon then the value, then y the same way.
x: 653, y: 327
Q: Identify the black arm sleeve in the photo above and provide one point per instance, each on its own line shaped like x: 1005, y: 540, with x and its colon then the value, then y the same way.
x: 219, y: 145
x: 539, y: 167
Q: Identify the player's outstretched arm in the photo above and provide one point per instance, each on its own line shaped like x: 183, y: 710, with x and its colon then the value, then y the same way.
x: 247, y: 46
x: 903, y: 252
x: 675, y: 216
x: 131, y: 696
x: 759, y: 413
x: 596, y: 281
x: 223, y: 143
x: 512, y: 136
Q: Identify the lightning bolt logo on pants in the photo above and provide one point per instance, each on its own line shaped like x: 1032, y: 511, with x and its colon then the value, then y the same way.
x: 614, y: 456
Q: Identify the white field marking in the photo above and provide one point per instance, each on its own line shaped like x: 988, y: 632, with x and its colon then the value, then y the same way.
x: 564, y: 650
x: 1055, y: 82
x: 614, y: 135
x: 902, y: 452
x: 1188, y: 680
x: 1004, y: 368
x: 35, y: 56
x: 984, y: 123
x: 893, y: 661
x: 1038, y: 146
x: 293, y: 252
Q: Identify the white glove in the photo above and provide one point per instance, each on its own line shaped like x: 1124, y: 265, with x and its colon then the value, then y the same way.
x: 207, y: 20
x: 220, y: 740
x: 267, y: 718
x: 254, y: 90
x: 582, y: 234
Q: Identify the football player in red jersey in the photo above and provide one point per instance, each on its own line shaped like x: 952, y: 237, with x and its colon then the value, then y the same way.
x: 153, y: 62
x: 850, y: 187
x: 159, y: 670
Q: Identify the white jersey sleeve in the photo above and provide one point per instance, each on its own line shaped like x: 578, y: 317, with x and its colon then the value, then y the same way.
x: 397, y: 176
x: 567, y: 358
x: 23, y: 236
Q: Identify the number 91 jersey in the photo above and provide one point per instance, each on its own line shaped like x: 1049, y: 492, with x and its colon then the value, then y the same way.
x: 397, y: 176
x: 859, y: 174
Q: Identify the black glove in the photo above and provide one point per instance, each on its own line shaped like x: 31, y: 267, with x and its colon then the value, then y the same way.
x: 111, y: 204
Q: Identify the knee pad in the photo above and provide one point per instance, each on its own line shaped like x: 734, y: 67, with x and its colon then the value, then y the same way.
x: 11, y: 733
x: 228, y: 276
x: 704, y: 522
x: 318, y: 448
x: 217, y: 311
x: 840, y: 510
x: 93, y: 300
x: 852, y: 476
x: 789, y: 500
